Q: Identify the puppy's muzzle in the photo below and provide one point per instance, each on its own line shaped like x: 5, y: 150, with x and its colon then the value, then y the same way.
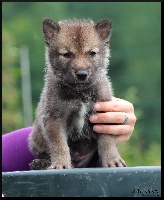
x: 82, y: 75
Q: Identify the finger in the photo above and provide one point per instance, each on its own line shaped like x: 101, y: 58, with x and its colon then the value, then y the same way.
x: 119, y: 105
x: 112, y: 117
x: 113, y: 129
x: 122, y: 138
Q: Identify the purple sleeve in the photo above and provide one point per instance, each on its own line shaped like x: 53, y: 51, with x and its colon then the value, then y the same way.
x: 16, y: 155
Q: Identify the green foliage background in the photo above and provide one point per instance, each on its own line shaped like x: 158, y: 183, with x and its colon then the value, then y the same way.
x: 135, y: 65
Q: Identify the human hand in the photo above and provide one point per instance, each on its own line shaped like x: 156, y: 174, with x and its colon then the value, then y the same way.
x: 110, y: 118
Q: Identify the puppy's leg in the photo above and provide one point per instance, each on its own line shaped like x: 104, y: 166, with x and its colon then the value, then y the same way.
x: 108, y: 153
x: 36, y: 141
x: 107, y: 149
x: 57, y: 139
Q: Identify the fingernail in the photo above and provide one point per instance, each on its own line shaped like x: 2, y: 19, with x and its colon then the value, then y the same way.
x: 97, y: 106
x: 93, y: 118
x: 97, y: 128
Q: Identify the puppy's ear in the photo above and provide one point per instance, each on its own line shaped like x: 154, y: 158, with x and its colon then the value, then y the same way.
x: 50, y: 29
x: 104, y: 29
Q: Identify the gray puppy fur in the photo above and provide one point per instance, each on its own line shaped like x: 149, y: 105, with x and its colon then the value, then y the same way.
x: 77, y: 58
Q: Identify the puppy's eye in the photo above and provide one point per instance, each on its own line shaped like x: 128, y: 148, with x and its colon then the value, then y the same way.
x: 66, y: 55
x: 92, y: 53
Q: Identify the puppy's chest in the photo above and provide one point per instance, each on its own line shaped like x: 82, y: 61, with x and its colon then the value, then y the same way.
x: 78, y: 120
x: 81, y: 117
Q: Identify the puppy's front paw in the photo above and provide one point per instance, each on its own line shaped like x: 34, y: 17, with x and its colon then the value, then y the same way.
x: 113, y: 161
x: 60, y: 166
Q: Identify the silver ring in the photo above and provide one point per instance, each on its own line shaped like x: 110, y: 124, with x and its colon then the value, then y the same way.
x: 126, y: 118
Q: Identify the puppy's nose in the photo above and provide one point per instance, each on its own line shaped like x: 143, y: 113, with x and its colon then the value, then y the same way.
x: 82, y: 75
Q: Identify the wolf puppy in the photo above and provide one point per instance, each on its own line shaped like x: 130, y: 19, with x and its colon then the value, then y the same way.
x: 77, y: 53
